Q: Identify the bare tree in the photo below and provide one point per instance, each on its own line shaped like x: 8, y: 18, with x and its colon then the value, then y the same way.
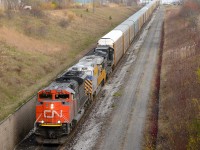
x: 11, y: 4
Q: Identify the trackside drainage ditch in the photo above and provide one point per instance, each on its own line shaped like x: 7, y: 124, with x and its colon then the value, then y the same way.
x: 155, y: 100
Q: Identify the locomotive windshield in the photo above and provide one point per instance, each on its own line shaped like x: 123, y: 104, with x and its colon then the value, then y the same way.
x: 61, y: 96
x: 45, y: 96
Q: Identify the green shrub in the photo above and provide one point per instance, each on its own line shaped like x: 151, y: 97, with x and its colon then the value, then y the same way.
x: 49, y: 5
x: 118, y: 94
x: 198, y: 74
x: 63, y: 23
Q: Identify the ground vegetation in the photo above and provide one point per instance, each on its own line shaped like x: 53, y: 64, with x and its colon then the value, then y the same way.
x: 179, y: 98
x: 36, y: 45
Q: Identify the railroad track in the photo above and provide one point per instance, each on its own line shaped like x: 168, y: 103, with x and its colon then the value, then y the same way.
x: 30, y: 142
x: 77, y: 128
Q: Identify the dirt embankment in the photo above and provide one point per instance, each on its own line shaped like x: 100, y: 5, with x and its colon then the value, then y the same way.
x: 36, y: 46
x: 179, y: 105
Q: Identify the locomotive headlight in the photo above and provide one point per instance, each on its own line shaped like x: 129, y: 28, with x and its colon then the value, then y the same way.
x: 58, y: 121
x: 52, y: 106
x: 42, y: 121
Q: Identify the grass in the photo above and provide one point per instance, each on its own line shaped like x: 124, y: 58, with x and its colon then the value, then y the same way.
x: 194, y: 138
x: 113, y: 106
x: 34, y: 50
x: 118, y: 93
x: 178, y: 126
x: 17, y: 76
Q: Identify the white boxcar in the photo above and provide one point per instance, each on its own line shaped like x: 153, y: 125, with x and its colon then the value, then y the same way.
x: 144, y: 10
x: 126, y: 35
x: 134, y: 18
x: 113, y: 39
x: 130, y: 23
x: 138, y: 19
x: 149, y: 8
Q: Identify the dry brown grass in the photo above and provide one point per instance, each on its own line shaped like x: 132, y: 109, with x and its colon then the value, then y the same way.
x: 30, y: 59
x: 179, y: 94
x: 23, y: 42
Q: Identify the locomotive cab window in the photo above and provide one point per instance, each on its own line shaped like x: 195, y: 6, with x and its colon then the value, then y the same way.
x: 45, y: 96
x: 61, y: 96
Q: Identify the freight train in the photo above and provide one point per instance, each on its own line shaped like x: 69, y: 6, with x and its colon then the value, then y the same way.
x: 62, y: 104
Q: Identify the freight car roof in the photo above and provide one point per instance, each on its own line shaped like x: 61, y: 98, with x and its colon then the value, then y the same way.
x: 151, y: 3
x: 144, y: 9
x: 122, y: 27
x: 110, y: 38
x: 128, y: 22
x: 136, y: 16
x: 114, y: 35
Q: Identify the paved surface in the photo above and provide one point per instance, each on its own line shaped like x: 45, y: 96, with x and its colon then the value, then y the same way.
x: 125, y: 130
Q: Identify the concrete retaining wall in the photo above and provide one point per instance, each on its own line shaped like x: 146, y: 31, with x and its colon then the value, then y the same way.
x: 16, y: 126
